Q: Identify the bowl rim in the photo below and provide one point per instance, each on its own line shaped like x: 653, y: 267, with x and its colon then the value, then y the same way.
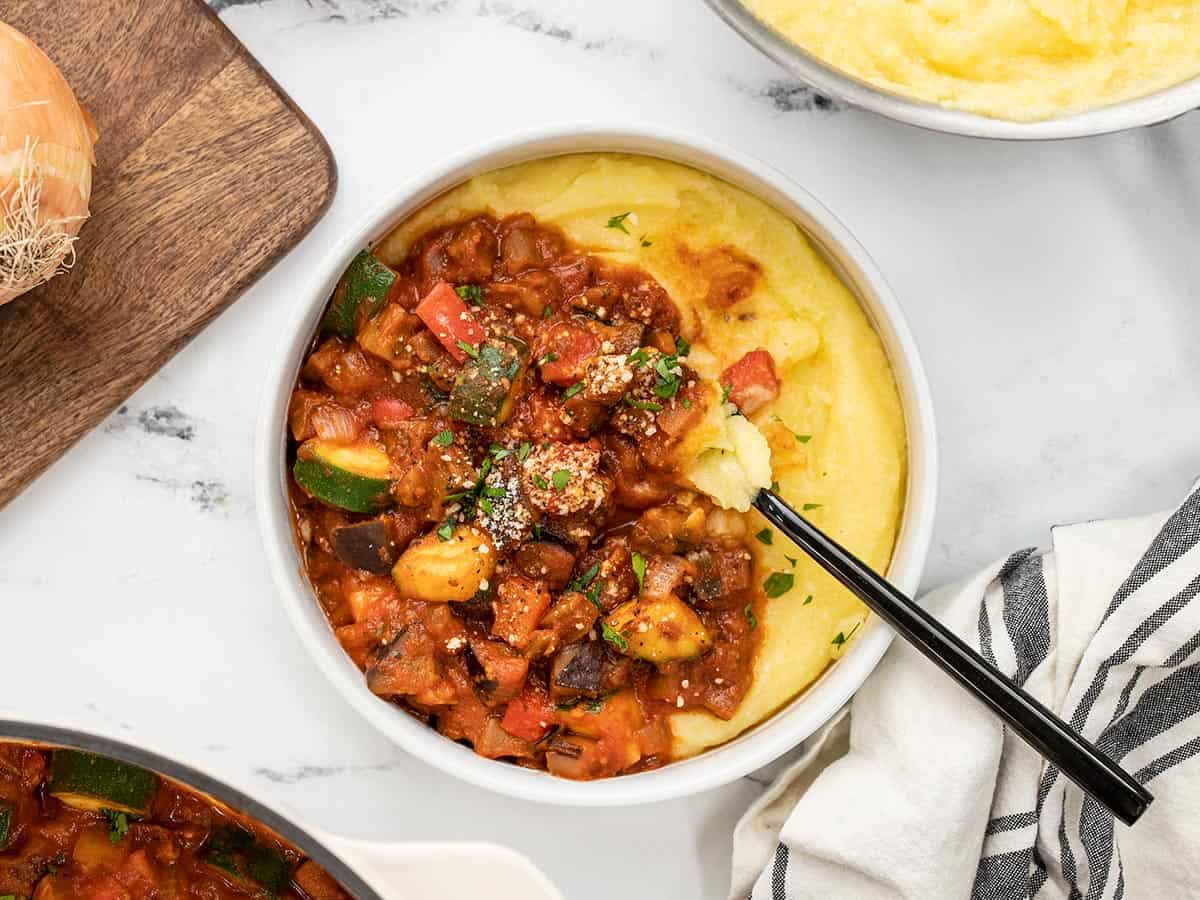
x: 1135, y: 112
x: 763, y: 742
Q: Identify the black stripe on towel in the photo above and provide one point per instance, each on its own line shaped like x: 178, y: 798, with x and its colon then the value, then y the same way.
x: 1011, y: 822
x: 1026, y: 613
x: 779, y: 873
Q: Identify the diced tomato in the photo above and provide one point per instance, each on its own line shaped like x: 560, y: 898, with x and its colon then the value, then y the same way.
x: 563, y: 351
x: 529, y: 716
x: 752, y: 381
x: 445, y: 314
x: 139, y: 866
x: 388, y: 412
x: 108, y: 888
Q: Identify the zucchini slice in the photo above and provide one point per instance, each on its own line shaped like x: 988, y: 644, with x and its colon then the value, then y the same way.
x: 486, y: 387
x: 7, y: 811
x: 659, y: 629
x: 355, y: 477
x: 365, y: 283
x: 94, y: 783
x: 236, y: 853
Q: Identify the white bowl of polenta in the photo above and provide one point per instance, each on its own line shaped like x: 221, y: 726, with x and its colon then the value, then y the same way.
x: 1007, y: 69
x: 837, y: 394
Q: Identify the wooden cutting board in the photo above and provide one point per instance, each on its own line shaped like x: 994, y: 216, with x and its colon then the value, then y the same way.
x: 206, y: 173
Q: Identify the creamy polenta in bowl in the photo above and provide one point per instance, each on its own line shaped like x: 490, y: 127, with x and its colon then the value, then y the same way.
x: 1015, y: 61
x: 515, y: 447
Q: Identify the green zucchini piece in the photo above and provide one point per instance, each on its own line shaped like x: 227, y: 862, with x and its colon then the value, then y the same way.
x: 93, y: 783
x: 349, y: 476
x: 7, y: 811
x: 235, y: 852
x: 486, y: 387
x: 365, y: 283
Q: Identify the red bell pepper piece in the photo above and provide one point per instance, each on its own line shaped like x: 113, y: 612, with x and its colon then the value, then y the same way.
x: 752, y: 381
x: 388, y: 412
x: 445, y: 314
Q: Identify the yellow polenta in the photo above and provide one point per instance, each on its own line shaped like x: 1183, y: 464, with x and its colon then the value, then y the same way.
x: 837, y: 385
x: 1020, y: 60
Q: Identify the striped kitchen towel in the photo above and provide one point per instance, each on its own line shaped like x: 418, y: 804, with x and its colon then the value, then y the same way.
x: 919, y: 793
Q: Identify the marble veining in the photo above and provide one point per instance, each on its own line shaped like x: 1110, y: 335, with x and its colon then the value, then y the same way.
x: 1052, y: 289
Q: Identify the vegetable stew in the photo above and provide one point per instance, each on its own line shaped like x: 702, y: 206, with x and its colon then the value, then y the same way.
x: 487, y: 490
x: 75, y: 826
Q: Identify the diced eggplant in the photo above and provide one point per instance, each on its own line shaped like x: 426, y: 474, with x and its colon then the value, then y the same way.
x: 366, y: 546
x: 498, y: 673
x: 546, y: 561
x: 721, y: 575
x: 407, y: 667
x: 577, y: 668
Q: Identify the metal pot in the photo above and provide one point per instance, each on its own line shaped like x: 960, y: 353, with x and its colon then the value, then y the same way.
x: 1148, y: 110
x: 368, y: 870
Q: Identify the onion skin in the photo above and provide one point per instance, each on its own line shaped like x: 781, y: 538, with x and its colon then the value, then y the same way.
x: 40, y: 116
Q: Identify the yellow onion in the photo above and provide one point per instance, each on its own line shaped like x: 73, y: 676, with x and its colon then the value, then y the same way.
x: 46, y: 158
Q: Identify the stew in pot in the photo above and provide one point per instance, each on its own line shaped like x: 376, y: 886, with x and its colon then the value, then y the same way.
x: 75, y: 826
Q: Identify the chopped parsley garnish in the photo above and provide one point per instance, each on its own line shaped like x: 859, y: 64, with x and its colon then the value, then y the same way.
x: 643, y: 404
x: 444, y: 533
x: 523, y: 451
x: 667, y: 370
x: 595, y: 704
x: 618, y: 222
x: 118, y: 825
x: 581, y: 583
x: 486, y: 505
x: 499, y: 452
x: 547, y: 311
x: 613, y: 636
x: 792, y: 560
x: 541, y: 482
x: 471, y: 293
x: 560, y: 477
x: 645, y: 243
x: 493, y: 492
x: 572, y: 391
x: 725, y: 389
x: 548, y: 358
x: 682, y: 347
x: 484, y: 469
x: 639, y: 568
x: 748, y: 612
x: 685, y: 403
x: 842, y: 638
x: 775, y: 487
x: 802, y: 438
x: 444, y: 438
x: 778, y: 583
x: 467, y: 349
x: 807, y: 507
x: 766, y: 536
x: 807, y: 600
x: 638, y: 358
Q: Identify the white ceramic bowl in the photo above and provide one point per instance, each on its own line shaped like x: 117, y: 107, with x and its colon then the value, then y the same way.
x: 1138, y: 111
x: 769, y: 739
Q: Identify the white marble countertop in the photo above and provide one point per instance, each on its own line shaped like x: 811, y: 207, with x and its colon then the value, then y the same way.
x: 1054, y: 290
